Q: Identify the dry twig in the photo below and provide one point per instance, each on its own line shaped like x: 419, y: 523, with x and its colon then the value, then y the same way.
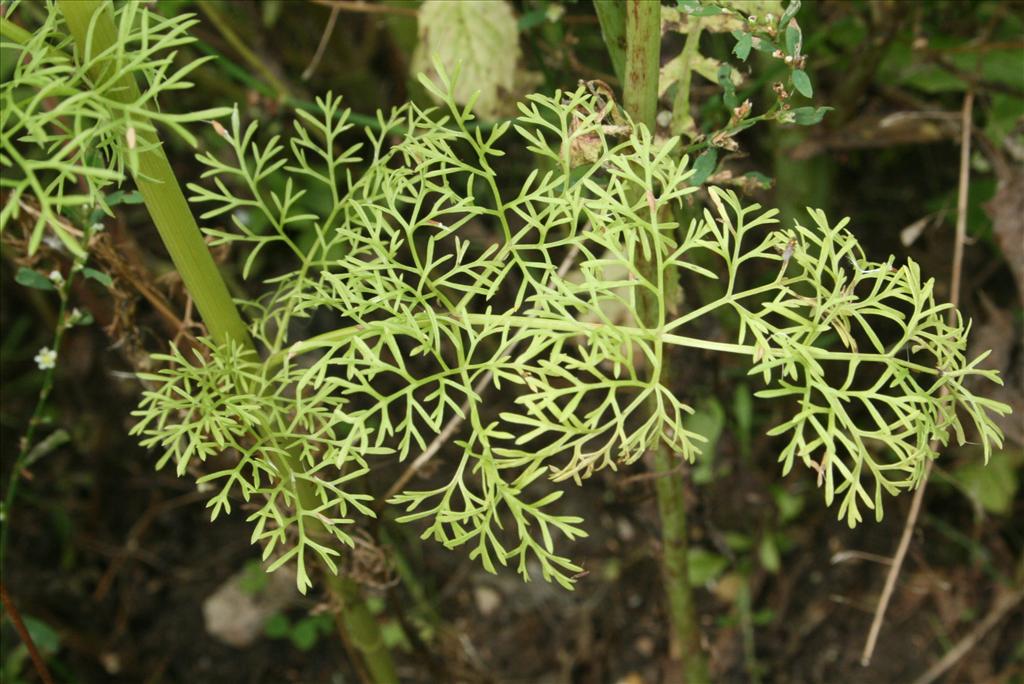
x: 366, y: 7
x: 325, y: 38
x: 954, y: 296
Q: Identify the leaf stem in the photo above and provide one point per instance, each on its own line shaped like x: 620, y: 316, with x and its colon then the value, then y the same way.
x: 332, y: 338
x: 682, y: 120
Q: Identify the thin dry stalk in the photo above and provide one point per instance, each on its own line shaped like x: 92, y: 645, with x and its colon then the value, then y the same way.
x: 325, y: 38
x: 366, y: 7
x: 954, y: 297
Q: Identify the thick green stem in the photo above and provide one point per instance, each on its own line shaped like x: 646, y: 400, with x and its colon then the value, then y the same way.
x: 158, y: 184
x: 640, y: 95
x: 612, y: 16
x: 91, y: 22
x: 643, y: 46
x: 361, y: 630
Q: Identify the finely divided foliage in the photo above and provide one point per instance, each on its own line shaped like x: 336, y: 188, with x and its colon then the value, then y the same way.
x: 422, y: 312
x: 64, y: 137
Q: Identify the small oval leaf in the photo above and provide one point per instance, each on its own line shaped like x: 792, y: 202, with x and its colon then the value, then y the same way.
x: 802, y: 83
x: 34, y: 279
x: 99, y: 276
x: 704, y: 166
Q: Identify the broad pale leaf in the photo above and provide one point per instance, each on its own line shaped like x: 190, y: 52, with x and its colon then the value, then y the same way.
x: 477, y: 38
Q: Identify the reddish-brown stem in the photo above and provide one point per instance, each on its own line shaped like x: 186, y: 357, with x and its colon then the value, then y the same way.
x: 26, y: 638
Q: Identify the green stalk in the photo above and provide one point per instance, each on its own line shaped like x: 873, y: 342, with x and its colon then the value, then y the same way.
x: 682, y: 121
x: 10, y: 30
x: 159, y: 187
x: 612, y: 16
x: 643, y: 47
x: 91, y: 22
x: 746, y: 614
x: 640, y: 95
x: 360, y: 629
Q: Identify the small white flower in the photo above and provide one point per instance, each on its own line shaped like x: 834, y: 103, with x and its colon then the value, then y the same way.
x: 46, y: 358
x: 554, y: 12
x: 56, y: 277
x: 97, y: 227
x: 75, y: 316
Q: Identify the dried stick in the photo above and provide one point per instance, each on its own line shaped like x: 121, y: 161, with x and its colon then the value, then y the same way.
x: 961, y: 203
x: 455, y: 422
x: 954, y: 296
x: 325, y: 38
x: 26, y: 638
x: 366, y: 7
